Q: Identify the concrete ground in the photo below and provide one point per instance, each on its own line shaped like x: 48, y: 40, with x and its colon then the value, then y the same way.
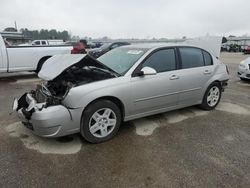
x: 184, y: 148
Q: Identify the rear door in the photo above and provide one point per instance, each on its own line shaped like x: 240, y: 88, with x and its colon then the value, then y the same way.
x: 196, y: 69
x: 155, y: 92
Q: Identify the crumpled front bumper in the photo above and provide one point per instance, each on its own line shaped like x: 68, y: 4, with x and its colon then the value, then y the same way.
x: 52, y: 121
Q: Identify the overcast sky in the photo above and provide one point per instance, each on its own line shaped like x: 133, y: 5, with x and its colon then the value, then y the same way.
x: 130, y: 18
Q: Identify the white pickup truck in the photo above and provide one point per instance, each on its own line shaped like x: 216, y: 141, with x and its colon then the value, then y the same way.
x: 27, y: 58
x: 43, y: 43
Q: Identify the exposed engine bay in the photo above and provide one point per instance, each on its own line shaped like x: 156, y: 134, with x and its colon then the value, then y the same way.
x: 55, y: 90
x: 85, y: 71
x: 60, y: 75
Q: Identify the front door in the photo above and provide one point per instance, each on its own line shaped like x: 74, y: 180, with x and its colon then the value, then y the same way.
x: 155, y: 92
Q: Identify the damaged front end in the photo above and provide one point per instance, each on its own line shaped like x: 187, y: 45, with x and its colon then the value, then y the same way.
x: 42, y: 110
x: 36, y: 100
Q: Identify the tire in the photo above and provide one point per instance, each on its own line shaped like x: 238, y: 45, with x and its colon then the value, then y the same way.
x: 104, y: 127
x: 211, y: 100
x: 40, y: 64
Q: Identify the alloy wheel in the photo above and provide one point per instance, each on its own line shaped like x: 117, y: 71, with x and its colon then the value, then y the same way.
x: 213, y: 96
x: 102, y: 122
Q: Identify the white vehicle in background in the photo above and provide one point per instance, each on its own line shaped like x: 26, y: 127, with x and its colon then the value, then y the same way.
x: 244, y: 69
x: 27, y: 58
x: 44, y: 43
x: 47, y: 42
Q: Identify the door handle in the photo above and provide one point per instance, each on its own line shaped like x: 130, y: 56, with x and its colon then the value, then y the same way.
x: 174, y: 77
x: 207, y: 72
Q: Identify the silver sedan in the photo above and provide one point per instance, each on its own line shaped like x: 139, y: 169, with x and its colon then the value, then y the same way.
x: 93, y: 97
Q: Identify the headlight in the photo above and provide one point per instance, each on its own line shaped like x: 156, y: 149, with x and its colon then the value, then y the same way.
x: 242, y: 64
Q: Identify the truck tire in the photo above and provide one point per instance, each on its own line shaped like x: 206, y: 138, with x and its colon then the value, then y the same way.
x: 40, y: 64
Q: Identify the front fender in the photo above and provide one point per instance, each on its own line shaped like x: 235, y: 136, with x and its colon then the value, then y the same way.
x: 84, y: 95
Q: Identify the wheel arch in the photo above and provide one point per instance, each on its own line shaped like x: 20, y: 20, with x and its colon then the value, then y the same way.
x: 211, y: 81
x: 41, y: 61
x: 113, y: 99
x: 216, y: 81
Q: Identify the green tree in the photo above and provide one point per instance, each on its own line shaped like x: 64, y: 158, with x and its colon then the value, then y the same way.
x: 46, y: 34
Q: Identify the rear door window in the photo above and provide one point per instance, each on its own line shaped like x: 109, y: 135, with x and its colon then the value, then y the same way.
x: 191, y: 57
x: 207, y: 58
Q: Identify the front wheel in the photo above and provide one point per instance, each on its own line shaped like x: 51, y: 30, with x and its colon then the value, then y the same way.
x: 212, y: 97
x: 100, y: 121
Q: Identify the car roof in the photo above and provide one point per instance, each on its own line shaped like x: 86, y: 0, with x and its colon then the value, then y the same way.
x: 157, y: 45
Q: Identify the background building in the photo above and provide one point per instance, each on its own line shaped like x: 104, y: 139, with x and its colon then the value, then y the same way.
x: 14, y: 37
x: 240, y: 42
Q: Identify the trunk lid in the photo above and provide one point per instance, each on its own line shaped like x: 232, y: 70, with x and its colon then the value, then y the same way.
x: 211, y: 43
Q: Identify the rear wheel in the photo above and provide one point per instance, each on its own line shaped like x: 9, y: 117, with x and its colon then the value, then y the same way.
x: 212, y: 97
x: 100, y: 121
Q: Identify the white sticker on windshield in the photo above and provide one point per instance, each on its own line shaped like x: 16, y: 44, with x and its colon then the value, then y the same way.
x: 135, y: 52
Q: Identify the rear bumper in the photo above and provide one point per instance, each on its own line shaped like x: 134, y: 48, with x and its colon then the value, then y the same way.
x: 52, y: 121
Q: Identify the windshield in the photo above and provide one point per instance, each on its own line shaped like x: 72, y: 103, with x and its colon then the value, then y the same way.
x: 121, y: 59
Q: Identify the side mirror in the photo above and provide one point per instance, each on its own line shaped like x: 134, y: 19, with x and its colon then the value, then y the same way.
x: 148, y: 71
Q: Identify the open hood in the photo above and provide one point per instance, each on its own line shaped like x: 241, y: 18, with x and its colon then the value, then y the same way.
x: 57, y: 64
x: 210, y: 43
